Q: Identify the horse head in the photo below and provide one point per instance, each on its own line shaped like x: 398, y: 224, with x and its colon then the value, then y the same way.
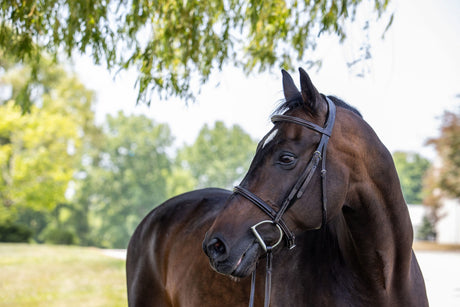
x: 286, y: 181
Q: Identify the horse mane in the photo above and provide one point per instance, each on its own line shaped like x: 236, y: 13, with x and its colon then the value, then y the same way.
x: 291, y: 104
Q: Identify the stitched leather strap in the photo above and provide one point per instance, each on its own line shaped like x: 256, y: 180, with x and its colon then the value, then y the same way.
x: 268, y: 211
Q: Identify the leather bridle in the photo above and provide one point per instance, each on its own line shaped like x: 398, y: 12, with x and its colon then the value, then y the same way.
x: 297, y: 190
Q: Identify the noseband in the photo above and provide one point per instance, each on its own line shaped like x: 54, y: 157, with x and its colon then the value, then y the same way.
x: 297, y: 190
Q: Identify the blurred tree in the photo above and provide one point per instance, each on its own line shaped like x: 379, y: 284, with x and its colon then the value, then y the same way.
x: 124, y: 177
x: 219, y: 157
x: 411, y: 169
x: 447, y: 146
x: 443, y: 179
x: 180, y: 181
x: 427, y: 230
x: 169, y: 40
x: 39, y: 151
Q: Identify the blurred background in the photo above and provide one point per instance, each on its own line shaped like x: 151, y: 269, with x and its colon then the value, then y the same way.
x: 109, y: 108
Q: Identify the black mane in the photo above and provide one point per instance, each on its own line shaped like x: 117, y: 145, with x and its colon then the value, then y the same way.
x: 297, y: 102
x: 340, y: 103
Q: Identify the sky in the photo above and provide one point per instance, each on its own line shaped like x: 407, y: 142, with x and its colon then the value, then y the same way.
x: 411, y: 79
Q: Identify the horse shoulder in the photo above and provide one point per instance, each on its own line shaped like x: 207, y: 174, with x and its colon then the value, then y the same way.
x: 159, y: 237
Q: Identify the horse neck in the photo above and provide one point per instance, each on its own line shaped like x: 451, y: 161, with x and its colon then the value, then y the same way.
x: 376, y: 232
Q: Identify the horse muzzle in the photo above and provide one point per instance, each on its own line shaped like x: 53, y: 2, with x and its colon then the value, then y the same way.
x: 239, y: 261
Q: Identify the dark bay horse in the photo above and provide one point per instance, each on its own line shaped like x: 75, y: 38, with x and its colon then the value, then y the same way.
x: 323, y: 183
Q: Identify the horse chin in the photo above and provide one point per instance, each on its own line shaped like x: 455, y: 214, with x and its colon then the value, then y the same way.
x: 246, y: 264
x: 239, y: 265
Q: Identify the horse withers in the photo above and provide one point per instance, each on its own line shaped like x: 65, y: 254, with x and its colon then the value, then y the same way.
x: 321, y: 205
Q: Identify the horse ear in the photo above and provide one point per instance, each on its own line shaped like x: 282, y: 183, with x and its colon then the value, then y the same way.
x: 289, y: 88
x: 309, y: 93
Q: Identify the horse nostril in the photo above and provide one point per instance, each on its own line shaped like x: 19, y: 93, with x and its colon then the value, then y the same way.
x: 216, y: 248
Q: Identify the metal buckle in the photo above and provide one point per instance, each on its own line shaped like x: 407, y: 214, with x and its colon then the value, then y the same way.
x: 259, y: 238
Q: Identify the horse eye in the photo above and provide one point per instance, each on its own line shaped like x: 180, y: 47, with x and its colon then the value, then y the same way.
x: 286, y: 159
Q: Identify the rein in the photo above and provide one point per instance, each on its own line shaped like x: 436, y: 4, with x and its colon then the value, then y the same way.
x: 297, y: 190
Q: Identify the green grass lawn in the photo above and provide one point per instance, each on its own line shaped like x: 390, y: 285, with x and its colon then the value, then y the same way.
x: 44, y: 275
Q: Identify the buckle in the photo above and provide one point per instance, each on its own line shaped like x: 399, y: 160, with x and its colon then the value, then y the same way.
x: 259, y: 238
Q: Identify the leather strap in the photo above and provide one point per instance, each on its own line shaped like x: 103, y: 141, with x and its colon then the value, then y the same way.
x: 299, y: 121
x: 268, y: 281
x: 268, y: 211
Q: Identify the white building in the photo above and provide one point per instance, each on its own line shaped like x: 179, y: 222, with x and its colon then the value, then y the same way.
x: 448, y: 227
x: 417, y: 212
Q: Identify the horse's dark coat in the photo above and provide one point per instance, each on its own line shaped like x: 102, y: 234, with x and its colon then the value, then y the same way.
x: 165, y: 263
x: 361, y: 257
